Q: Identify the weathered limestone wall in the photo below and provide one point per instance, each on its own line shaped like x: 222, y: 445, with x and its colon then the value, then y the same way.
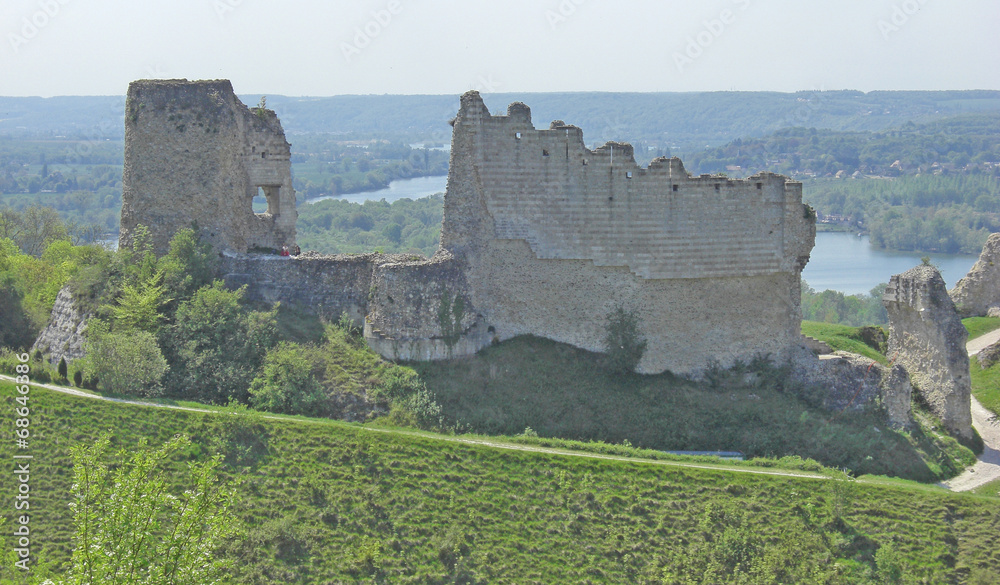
x: 979, y: 291
x: 852, y: 382
x: 330, y: 285
x: 63, y: 336
x: 195, y: 153
x: 927, y: 338
x: 554, y: 235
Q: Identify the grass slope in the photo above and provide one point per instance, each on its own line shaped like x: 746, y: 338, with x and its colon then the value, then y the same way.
x: 977, y: 326
x: 561, y: 391
x: 327, y: 502
x: 842, y: 338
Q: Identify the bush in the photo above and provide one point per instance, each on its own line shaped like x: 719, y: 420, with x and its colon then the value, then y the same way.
x: 126, y: 362
x: 623, y: 342
x: 286, y: 383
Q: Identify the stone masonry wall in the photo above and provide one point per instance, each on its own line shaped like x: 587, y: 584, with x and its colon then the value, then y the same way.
x: 553, y: 236
x: 195, y: 154
x: 927, y: 338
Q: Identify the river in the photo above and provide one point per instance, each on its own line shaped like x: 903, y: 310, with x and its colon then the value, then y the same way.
x: 402, y: 189
x: 840, y: 261
x: 848, y: 263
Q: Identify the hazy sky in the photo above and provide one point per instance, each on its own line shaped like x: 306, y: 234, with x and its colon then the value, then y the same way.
x: 313, y: 47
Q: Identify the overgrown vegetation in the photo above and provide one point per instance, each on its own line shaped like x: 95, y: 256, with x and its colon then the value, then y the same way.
x: 330, y: 502
x: 560, y: 391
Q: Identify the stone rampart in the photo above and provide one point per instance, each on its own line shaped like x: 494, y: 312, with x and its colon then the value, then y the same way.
x: 195, y: 154
x: 552, y: 236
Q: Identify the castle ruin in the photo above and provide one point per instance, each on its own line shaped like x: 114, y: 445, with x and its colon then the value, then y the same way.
x: 541, y: 236
x: 194, y: 154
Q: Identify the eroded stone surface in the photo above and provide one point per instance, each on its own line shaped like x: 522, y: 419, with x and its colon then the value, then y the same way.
x: 978, y: 294
x: 63, y: 336
x: 851, y: 382
x: 927, y: 338
x: 194, y: 154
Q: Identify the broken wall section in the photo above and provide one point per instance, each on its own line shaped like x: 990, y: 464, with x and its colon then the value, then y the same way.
x: 978, y: 294
x: 195, y: 154
x: 927, y: 338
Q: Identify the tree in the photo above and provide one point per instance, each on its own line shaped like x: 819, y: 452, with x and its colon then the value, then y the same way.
x: 138, y: 307
x: 216, y: 346
x: 124, y: 361
x: 623, y: 341
x: 131, y: 529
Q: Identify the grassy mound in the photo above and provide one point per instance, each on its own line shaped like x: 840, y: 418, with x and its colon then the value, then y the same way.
x: 561, y: 391
x: 328, y: 502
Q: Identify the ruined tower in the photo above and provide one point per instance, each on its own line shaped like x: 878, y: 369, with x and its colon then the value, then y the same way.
x: 195, y: 154
x: 549, y: 236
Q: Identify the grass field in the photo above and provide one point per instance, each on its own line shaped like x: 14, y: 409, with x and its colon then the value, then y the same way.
x: 323, y: 501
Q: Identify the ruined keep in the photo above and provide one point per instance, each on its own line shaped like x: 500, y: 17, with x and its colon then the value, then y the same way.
x: 195, y: 154
x: 541, y: 235
x: 546, y: 237
x: 927, y: 338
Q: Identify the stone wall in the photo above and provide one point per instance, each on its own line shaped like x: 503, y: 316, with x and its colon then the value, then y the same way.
x: 552, y: 236
x: 927, y: 338
x: 329, y: 285
x: 195, y: 154
x: 979, y: 291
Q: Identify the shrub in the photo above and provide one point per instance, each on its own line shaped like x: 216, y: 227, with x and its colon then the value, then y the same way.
x: 126, y: 362
x: 623, y: 342
x: 285, y: 383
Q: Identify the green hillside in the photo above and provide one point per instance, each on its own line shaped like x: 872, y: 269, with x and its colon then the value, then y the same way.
x: 327, y: 502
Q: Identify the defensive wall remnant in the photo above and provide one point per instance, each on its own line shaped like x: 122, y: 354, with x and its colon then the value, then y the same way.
x: 195, y: 154
x: 548, y: 236
x: 927, y: 338
x: 978, y: 294
x: 541, y: 235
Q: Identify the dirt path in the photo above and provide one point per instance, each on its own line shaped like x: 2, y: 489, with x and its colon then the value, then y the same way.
x: 987, y: 468
x: 454, y: 439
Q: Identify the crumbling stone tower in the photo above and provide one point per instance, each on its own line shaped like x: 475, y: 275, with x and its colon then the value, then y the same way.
x: 195, y: 154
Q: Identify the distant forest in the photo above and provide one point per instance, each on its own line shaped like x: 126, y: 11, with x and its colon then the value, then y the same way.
x: 916, y: 170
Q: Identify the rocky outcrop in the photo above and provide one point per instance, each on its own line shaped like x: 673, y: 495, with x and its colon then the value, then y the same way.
x: 927, y: 338
x: 978, y: 294
x: 989, y: 356
x: 63, y: 336
x: 851, y: 382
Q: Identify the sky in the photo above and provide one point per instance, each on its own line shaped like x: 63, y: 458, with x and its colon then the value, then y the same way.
x: 322, y: 48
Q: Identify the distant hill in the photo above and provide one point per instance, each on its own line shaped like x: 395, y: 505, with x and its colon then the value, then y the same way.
x: 682, y: 120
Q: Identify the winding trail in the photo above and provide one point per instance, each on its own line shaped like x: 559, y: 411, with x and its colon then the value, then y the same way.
x: 453, y: 439
x: 987, y: 468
